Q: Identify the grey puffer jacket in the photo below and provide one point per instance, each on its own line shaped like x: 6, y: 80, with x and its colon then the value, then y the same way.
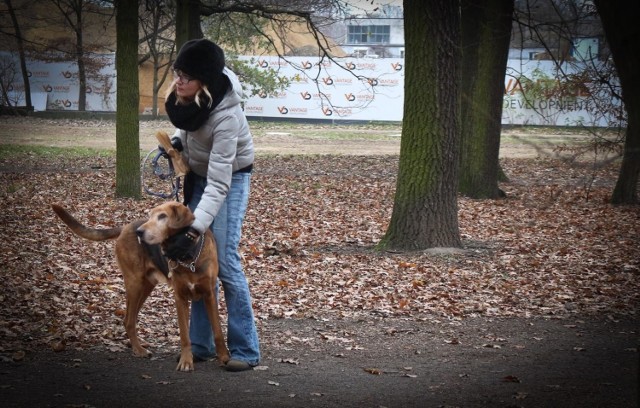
x: 220, y: 147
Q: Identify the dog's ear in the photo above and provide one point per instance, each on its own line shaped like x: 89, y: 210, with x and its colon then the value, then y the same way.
x: 181, y: 217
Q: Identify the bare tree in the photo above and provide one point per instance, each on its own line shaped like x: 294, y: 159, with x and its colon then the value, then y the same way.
x: 21, y: 54
x: 157, y: 23
x: 554, y: 25
x: 620, y: 22
x: 76, y: 15
x: 73, y: 12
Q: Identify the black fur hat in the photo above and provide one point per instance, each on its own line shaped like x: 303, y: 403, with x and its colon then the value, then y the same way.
x: 202, y: 60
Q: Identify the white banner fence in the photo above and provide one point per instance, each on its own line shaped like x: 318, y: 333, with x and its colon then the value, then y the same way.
x: 345, y: 89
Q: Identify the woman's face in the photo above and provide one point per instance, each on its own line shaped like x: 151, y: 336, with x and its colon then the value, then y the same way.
x: 186, y: 86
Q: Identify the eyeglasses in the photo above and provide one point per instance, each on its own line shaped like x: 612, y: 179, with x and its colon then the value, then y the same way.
x: 184, y: 78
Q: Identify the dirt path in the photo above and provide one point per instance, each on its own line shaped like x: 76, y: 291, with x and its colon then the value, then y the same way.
x: 366, y: 363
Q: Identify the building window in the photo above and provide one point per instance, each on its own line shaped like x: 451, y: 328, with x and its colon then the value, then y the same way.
x: 369, y: 34
x: 585, y: 49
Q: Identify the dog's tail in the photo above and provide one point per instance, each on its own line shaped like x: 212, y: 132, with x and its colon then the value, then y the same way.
x: 92, y: 234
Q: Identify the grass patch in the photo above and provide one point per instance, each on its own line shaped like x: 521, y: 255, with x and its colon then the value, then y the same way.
x: 10, y: 150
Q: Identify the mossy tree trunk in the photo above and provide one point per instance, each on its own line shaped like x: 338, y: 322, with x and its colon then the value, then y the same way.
x: 486, y: 32
x: 187, y: 21
x: 425, y: 211
x: 620, y: 21
x: 127, y: 117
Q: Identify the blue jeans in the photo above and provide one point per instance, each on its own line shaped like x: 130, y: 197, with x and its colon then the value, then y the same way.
x: 242, y: 335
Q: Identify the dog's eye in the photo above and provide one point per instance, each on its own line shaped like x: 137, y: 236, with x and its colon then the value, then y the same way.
x: 162, y: 216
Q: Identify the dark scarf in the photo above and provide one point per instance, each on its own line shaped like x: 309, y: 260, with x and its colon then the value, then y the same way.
x: 188, y: 117
x: 191, y: 116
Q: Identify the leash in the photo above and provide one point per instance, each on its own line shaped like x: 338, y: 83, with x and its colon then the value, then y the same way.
x: 162, y: 172
x: 191, y: 265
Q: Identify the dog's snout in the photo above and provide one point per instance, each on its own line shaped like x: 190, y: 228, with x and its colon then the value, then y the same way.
x: 140, y: 232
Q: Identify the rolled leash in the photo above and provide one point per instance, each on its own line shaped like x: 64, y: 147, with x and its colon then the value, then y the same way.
x: 152, y: 166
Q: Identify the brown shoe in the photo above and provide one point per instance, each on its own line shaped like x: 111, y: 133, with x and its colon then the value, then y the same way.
x: 238, y: 365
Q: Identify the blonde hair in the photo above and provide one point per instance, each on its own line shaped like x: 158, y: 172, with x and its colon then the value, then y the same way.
x: 198, y: 98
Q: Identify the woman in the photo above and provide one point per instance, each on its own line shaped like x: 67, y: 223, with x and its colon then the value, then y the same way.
x: 203, y: 103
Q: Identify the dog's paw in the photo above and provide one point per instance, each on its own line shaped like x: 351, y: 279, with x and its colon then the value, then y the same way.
x: 141, y: 352
x: 184, y: 366
x: 223, y: 358
x: 185, y: 363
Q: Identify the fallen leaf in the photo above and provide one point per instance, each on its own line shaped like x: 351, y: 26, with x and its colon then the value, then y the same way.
x: 307, y: 242
x: 521, y: 395
x: 58, y: 346
x: 18, y: 355
x: 511, y: 378
x: 288, y: 361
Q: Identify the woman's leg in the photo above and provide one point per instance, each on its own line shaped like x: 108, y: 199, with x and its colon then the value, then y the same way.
x: 242, y: 336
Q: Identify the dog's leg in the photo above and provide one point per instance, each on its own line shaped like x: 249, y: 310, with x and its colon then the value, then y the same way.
x: 222, y: 352
x: 136, y: 295
x: 186, y: 357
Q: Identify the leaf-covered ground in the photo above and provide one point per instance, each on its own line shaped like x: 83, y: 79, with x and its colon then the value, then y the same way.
x: 553, y: 248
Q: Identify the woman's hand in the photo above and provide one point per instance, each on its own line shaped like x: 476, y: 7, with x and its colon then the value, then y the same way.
x: 181, y: 247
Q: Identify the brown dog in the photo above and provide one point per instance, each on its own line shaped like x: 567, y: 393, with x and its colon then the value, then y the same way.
x: 139, y: 256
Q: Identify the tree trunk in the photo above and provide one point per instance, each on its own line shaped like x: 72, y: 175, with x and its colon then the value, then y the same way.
x: 187, y: 21
x: 82, y: 74
x: 620, y: 23
x: 155, y: 88
x: 486, y: 32
x: 127, y: 117
x: 23, y: 59
x: 425, y: 211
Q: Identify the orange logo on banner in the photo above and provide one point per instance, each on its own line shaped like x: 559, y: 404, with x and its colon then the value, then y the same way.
x: 513, y: 86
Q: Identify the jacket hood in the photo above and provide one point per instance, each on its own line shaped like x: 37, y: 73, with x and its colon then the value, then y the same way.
x: 234, y: 93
